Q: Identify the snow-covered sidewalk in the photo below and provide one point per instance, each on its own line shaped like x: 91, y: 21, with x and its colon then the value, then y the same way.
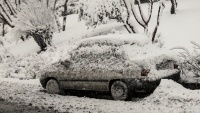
x: 168, y: 97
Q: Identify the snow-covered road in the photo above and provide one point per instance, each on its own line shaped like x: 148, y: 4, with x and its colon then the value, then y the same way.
x: 8, y: 107
x: 168, y: 97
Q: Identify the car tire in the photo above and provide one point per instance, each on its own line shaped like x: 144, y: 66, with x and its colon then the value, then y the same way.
x: 53, y: 87
x: 119, y: 90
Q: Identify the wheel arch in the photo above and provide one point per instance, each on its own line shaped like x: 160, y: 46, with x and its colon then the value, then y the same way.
x: 47, y: 79
x: 112, y: 81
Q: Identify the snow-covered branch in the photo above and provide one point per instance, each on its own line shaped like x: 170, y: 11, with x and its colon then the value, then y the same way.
x: 190, y: 61
x: 160, y: 11
x: 142, y: 19
x: 7, y: 20
x: 95, y: 12
x: 10, y: 7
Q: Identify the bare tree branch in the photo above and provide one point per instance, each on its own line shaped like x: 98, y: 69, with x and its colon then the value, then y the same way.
x: 54, y: 5
x: 150, y: 10
x: 12, y: 7
x: 160, y: 11
x: 65, y: 15
x: 9, y: 7
x: 5, y: 12
x: 5, y: 20
x: 128, y: 17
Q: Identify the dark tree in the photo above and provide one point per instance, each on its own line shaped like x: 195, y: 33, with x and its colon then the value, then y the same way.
x: 65, y: 15
x: 174, y: 6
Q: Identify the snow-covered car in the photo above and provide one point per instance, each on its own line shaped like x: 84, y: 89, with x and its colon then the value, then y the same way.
x: 121, y: 64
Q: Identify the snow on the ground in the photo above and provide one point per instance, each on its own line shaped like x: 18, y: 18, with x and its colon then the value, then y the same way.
x: 176, y: 30
x: 182, y: 28
x: 168, y: 97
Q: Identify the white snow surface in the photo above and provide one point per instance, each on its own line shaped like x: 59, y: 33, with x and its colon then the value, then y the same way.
x: 168, y: 97
x: 176, y: 30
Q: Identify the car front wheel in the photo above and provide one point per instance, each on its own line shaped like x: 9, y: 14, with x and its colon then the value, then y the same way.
x: 120, y: 90
x: 53, y: 87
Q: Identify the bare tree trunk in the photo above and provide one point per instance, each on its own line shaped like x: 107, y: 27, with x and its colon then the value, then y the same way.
x: 54, y: 5
x: 11, y: 6
x: 47, y: 3
x: 128, y: 26
x: 5, y: 17
x: 160, y: 11
x: 6, y: 21
x: 65, y: 15
x: 40, y: 41
x: 173, y: 7
x: 144, y: 21
x: 3, y: 29
x: 12, y: 12
x: 64, y: 22
x: 5, y: 12
x: 16, y: 3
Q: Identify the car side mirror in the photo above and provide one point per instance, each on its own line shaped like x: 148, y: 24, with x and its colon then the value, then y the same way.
x: 66, y: 63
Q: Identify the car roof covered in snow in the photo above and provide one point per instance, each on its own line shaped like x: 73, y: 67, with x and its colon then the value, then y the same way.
x: 115, y: 40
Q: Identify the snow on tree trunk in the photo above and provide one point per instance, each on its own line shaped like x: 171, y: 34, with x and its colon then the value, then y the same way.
x: 160, y: 11
x: 4, y: 11
x: 4, y: 15
x: 10, y: 7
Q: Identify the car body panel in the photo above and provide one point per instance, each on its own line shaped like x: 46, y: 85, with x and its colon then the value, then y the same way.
x: 85, y: 85
x: 100, y: 80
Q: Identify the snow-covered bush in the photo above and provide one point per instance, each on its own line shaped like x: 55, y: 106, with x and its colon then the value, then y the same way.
x: 35, y: 20
x: 30, y: 66
x: 190, y: 62
x: 96, y: 12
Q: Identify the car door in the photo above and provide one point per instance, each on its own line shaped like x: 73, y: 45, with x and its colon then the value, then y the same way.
x: 81, y: 77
